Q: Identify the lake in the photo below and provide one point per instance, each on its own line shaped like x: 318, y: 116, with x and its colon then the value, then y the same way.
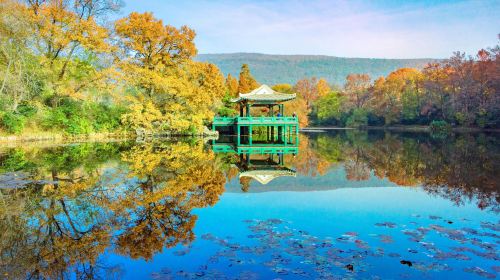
x: 348, y: 205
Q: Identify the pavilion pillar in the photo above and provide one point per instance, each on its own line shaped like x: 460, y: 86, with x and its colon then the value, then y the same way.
x: 241, y: 110
x: 250, y: 134
x: 239, y: 134
x: 285, y: 138
x: 297, y: 133
x: 248, y: 110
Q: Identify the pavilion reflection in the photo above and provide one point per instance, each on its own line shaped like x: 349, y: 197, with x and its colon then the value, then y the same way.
x: 261, y: 162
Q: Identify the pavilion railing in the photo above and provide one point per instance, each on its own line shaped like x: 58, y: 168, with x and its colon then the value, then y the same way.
x: 255, y: 120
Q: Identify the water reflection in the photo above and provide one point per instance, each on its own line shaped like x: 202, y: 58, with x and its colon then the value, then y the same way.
x: 63, y: 207
x: 460, y: 168
x: 83, y: 200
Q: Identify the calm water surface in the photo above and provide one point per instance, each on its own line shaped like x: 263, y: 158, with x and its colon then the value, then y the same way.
x: 360, y: 205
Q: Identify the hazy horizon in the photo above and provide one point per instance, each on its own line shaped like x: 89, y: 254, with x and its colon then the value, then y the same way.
x: 325, y: 55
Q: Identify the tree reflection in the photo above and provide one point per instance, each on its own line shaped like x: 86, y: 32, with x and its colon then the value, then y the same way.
x: 62, y: 208
x: 460, y: 168
x: 70, y: 213
x: 174, y: 179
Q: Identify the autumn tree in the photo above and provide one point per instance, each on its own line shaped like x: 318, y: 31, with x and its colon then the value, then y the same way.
x: 247, y: 82
x: 436, y: 102
x: 357, y: 88
x: 232, y: 85
x: 67, y: 32
x: 158, y: 62
x: 297, y: 106
x: 307, y: 89
x: 323, y: 88
x: 389, y: 94
x: 283, y: 88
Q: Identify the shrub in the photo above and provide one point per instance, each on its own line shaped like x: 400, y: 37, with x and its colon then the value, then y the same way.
x: 105, y: 118
x: 13, y: 123
x: 80, y: 118
x: 440, y: 127
x: 358, y: 118
x: 27, y: 110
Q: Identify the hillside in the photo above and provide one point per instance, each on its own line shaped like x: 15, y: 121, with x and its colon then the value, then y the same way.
x: 274, y: 69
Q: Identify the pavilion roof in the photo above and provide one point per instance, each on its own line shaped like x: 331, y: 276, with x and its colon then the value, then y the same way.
x: 266, y: 176
x: 264, y: 94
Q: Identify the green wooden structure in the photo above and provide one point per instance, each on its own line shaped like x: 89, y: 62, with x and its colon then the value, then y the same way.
x: 274, y: 126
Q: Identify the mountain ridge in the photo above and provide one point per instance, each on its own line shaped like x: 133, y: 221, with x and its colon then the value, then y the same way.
x: 273, y: 69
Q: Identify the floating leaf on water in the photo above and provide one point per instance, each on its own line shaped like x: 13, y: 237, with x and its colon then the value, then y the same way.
x: 386, y: 224
x: 208, y: 236
x: 275, y: 221
x: 394, y: 255
x: 361, y: 244
x: 156, y: 275
x: 350, y: 267
x: 281, y: 270
x: 405, y: 262
x: 496, y: 268
x: 300, y: 272
x: 461, y: 249
x: 344, y: 238
x: 492, y: 226
x: 180, y: 253
x: 247, y: 275
x: 385, y: 238
x: 470, y: 231
x: 413, y: 251
x: 481, y: 272
x: 432, y: 217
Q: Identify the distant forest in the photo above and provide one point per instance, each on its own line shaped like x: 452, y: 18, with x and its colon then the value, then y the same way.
x: 276, y: 69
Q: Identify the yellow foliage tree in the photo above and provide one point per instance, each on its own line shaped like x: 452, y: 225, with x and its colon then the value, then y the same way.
x: 158, y: 62
x: 247, y: 82
x: 298, y: 106
x: 323, y: 88
x: 232, y: 85
x: 66, y: 30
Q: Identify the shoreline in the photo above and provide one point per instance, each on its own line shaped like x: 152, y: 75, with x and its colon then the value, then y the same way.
x: 399, y: 128
x: 49, y: 139
x: 60, y: 139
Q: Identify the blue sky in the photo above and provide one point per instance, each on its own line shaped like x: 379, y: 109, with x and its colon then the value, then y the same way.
x: 382, y: 29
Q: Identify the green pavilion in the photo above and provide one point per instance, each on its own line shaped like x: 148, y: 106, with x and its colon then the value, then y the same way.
x: 261, y: 121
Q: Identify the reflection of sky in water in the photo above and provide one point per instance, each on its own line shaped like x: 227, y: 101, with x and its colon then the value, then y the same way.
x: 335, y: 178
x: 325, y: 214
